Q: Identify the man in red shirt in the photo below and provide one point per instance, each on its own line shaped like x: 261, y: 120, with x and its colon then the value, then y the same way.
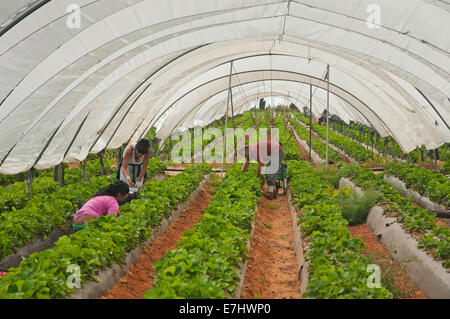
x: 266, y: 152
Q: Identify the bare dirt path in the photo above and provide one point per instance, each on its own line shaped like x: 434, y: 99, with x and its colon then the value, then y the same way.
x: 396, y: 277
x: 140, y: 276
x: 272, y: 270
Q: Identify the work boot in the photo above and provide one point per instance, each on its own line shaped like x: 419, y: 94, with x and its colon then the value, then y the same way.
x: 275, y: 193
x: 268, y: 195
x: 272, y: 190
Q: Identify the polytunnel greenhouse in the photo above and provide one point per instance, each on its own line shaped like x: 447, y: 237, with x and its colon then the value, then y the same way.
x: 224, y: 149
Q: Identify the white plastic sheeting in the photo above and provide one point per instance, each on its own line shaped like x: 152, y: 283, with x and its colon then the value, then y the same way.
x: 245, y: 97
x: 65, y: 92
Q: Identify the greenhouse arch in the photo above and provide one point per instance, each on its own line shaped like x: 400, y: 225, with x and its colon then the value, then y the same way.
x: 97, y: 81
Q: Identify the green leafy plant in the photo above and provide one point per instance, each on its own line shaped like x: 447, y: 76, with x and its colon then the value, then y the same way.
x: 427, y: 183
x: 316, y: 144
x: 106, y: 240
x: 205, y: 262
x: 415, y: 219
x: 355, y: 207
x: 337, y: 268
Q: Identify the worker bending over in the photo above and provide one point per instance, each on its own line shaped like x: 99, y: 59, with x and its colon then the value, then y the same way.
x: 262, y: 152
x: 105, y: 202
x: 133, y: 167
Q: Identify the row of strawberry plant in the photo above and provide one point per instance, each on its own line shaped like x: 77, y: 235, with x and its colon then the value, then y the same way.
x: 337, y: 268
x: 434, y: 239
x: 239, y: 133
x: 46, y: 212
x: 106, y: 240
x: 205, y: 262
x: 6, y: 180
x: 290, y: 148
x: 16, y: 195
x: 433, y: 185
x: 317, y: 145
x: 387, y: 145
x: 201, y: 143
x: 352, y: 149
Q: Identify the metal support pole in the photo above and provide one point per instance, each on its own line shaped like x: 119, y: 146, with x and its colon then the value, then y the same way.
x: 393, y: 148
x: 328, y: 113
x: 430, y: 153
x: 234, y: 128
x: 118, y: 156
x: 367, y: 137
x: 310, y: 120
x: 226, y: 117
x: 422, y: 157
x: 61, y: 175
x: 372, y: 133
x: 30, y: 183
x: 436, y: 157
x: 84, y: 169
x: 385, y: 147
x: 55, y: 173
x: 103, y: 171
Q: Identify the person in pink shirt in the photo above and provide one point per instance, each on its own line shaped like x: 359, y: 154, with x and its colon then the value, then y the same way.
x: 105, y: 202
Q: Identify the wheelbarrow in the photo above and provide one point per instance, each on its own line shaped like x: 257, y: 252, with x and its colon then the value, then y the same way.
x: 281, y: 181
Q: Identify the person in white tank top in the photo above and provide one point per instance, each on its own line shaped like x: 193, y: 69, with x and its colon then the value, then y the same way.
x: 134, y: 163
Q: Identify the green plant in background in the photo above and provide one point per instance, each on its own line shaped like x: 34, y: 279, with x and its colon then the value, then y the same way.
x: 316, y: 144
x: 353, y: 149
x: 355, y: 207
x: 330, y: 174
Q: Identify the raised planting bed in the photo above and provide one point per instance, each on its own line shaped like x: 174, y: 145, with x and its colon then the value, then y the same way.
x: 16, y: 196
x: 427, y: 273
x: 209, y: 261
x: 432, y: 185
x: 335, y: 265
x: 421, y: 200
x: 415, y: 220
x: 317, y: 145
x: 47, y: 217
x: 36, y: 245
x: 290, y: 148
x: 107, y: 278
x: 349, y: 147
x: 44, y: 214
x: 298, y: 247
x: 106, y: 240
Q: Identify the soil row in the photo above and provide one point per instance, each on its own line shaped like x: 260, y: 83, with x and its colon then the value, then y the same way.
x: 395, y: 274
x: 140, y: 276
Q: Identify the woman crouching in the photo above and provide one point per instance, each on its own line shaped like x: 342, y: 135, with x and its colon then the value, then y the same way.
x: 105, y: 202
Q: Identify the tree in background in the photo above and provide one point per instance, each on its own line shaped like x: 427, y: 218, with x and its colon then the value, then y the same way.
x: 262, y: 104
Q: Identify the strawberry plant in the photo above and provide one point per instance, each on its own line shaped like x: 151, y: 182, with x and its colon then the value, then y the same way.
x: 414, y: 218
x: 337, y: 268
x: 316, y: 144
x: 106, y: 240
x: 205, y: 262
x: 290, y: 148
x: 52, y: 208
x: 427, y: 183
x: 352, y: 149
